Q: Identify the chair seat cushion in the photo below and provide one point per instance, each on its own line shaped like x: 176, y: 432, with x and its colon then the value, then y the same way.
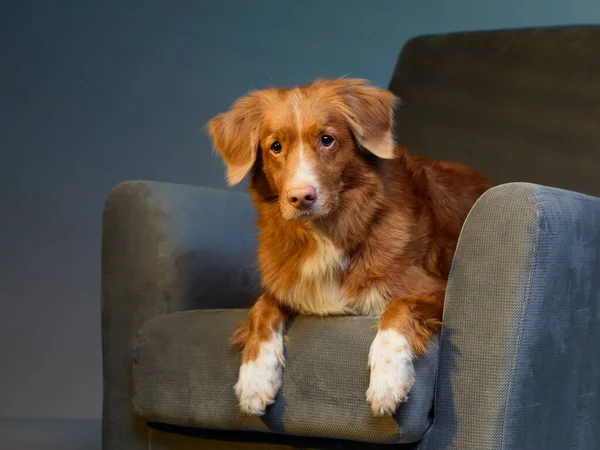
x: 185, y: 368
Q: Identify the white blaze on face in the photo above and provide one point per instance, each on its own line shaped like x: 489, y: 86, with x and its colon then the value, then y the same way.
x: 304, y: 174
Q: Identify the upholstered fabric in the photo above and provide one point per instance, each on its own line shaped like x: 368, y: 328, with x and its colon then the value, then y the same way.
x: 165, y: 248
x: 519, y: 105
x: 519, y: 358
x: 518, y: 363
x: 185, y: 369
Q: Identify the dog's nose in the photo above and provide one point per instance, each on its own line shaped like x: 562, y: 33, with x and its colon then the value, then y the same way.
x: 302, y: 197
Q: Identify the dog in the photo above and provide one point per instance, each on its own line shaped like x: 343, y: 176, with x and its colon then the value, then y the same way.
x: 348, y: 223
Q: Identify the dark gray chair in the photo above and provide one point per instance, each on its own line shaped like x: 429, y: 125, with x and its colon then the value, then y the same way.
x: 518, y: 362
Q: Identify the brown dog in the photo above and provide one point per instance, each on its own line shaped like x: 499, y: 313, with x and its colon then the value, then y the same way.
x: 348, y: 224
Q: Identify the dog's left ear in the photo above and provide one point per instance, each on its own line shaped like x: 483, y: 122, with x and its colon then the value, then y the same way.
x: 235, y: 134
x: 370, y: 112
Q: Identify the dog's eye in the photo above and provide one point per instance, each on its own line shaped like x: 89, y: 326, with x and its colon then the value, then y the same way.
x: 326, y: 140
x: 276, y: 147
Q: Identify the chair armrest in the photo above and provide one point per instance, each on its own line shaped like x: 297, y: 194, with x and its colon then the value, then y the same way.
x: 519, y: 356
x: 166, y: 248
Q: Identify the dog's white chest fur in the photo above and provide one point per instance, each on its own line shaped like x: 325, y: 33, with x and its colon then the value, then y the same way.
x: 319, y: 289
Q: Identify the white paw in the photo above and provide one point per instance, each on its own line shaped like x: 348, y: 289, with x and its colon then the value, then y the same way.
x: 260, y: 380
x: 392, y: 372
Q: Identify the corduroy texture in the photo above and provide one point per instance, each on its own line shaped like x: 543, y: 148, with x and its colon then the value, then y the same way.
x: 519, y: 360
x: 519, y: 105
x: 185, y: 369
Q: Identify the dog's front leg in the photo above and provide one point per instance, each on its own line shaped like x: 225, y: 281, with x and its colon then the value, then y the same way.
x: 405, y: 328
x: 260, y: 374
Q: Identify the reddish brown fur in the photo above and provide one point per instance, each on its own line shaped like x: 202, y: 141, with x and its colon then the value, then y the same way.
x: 416, y: 318
x: 397, y: 220
x: 266, y: 315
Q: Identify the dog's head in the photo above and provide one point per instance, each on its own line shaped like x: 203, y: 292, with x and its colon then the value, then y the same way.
x: 304, y: 138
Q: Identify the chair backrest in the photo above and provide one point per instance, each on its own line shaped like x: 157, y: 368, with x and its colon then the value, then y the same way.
x: 519, y: 105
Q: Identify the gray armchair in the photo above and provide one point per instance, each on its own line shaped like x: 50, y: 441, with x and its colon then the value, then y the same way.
x: 517, y: 365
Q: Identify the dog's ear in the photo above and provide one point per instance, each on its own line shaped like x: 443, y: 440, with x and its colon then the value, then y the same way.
x: 369, y: 111
x: 235, y: 134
